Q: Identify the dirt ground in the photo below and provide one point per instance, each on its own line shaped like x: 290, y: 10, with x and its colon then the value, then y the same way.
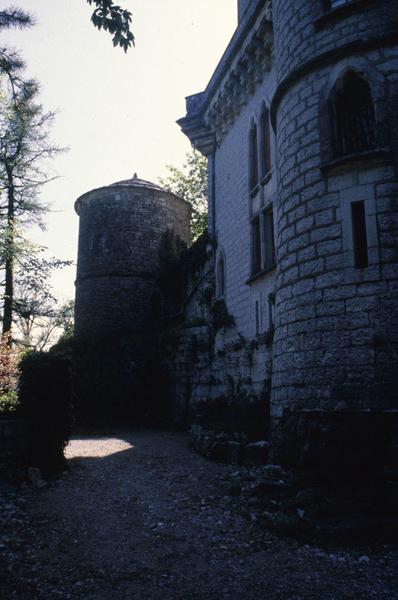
x: 140, y: 516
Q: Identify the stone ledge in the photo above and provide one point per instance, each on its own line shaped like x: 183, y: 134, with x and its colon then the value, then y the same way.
x: 260, y: 274
x: 375, y: 156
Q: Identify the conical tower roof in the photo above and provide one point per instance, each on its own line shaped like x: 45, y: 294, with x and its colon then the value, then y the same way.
x: 136, y: 182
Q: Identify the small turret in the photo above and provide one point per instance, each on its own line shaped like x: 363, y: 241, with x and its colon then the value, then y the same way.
x: 121, y: 226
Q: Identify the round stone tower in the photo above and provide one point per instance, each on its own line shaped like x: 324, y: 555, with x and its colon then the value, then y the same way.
x: 120, y: 230
x: 336, y: 324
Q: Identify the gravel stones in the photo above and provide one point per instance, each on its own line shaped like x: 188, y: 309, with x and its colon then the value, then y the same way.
x: 141, y: 516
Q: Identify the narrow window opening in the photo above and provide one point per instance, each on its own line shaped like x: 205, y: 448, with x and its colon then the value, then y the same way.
x: 352, y: 115
x: 265, y: 143
x: 269, y: 239
x: 256, y: 245
x: 221, y: 277
x: 257, y: 315
x: 271, y: 310
x: 253, y: 157
x: 360, y: 242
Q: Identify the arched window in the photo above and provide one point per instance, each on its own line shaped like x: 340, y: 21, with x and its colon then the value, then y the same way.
x: 352, y: 115
x: 265, y: 142
x: 221, y: 276
x: 253, y: 157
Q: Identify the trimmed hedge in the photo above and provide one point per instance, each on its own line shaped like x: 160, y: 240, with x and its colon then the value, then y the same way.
x: 45, y: 392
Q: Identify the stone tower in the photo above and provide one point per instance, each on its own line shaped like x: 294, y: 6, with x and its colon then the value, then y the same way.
x: 336, y: 327
x: 120, y: 229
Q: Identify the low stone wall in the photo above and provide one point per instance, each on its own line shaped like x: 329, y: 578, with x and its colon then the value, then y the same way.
x: 340, y: 445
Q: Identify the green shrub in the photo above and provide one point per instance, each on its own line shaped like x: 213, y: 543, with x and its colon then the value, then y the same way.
x: 178, y: 266
x: 45, y: 393
x: 9, y: 403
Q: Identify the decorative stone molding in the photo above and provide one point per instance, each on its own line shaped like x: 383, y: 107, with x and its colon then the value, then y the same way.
x: 210, y: 114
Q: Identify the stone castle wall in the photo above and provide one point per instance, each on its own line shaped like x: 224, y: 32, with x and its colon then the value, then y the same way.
x: 336, y: 326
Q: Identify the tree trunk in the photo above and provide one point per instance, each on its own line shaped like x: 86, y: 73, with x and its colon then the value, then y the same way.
x: 9, y: 256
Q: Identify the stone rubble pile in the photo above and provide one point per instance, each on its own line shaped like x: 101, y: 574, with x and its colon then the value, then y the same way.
x: 280, y: 501
x: 229, y: 448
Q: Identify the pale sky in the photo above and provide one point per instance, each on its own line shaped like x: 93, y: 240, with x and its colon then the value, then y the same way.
x: 116, y: 112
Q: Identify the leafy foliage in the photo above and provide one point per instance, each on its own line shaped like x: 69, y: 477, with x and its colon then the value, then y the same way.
x: 38, y: 317
x: 115, y: 20
x: 9, y: 360
x: 178, y: 264
x: 107, y: 15
x: 190, y: 183
x: 9, y: 403
x: 14, y: 17
x: 171, y: 277
x: 24, y: 147
x: 11, y: 64
x: 220, y: 315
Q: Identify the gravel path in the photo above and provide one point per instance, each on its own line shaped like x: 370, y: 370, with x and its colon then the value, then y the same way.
x: 140, y: 516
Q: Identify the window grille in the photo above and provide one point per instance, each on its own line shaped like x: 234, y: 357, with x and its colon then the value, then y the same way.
x: 353, y: 115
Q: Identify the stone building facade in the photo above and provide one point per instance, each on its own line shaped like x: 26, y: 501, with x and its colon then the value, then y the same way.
x: 300, y: 125
x: 292, y: 316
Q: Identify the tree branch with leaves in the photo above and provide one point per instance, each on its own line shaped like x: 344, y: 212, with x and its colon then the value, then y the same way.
x: 114, y: 19
x: 190, y: 183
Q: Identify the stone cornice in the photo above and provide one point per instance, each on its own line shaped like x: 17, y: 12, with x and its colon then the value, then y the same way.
x: 242, y: 68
